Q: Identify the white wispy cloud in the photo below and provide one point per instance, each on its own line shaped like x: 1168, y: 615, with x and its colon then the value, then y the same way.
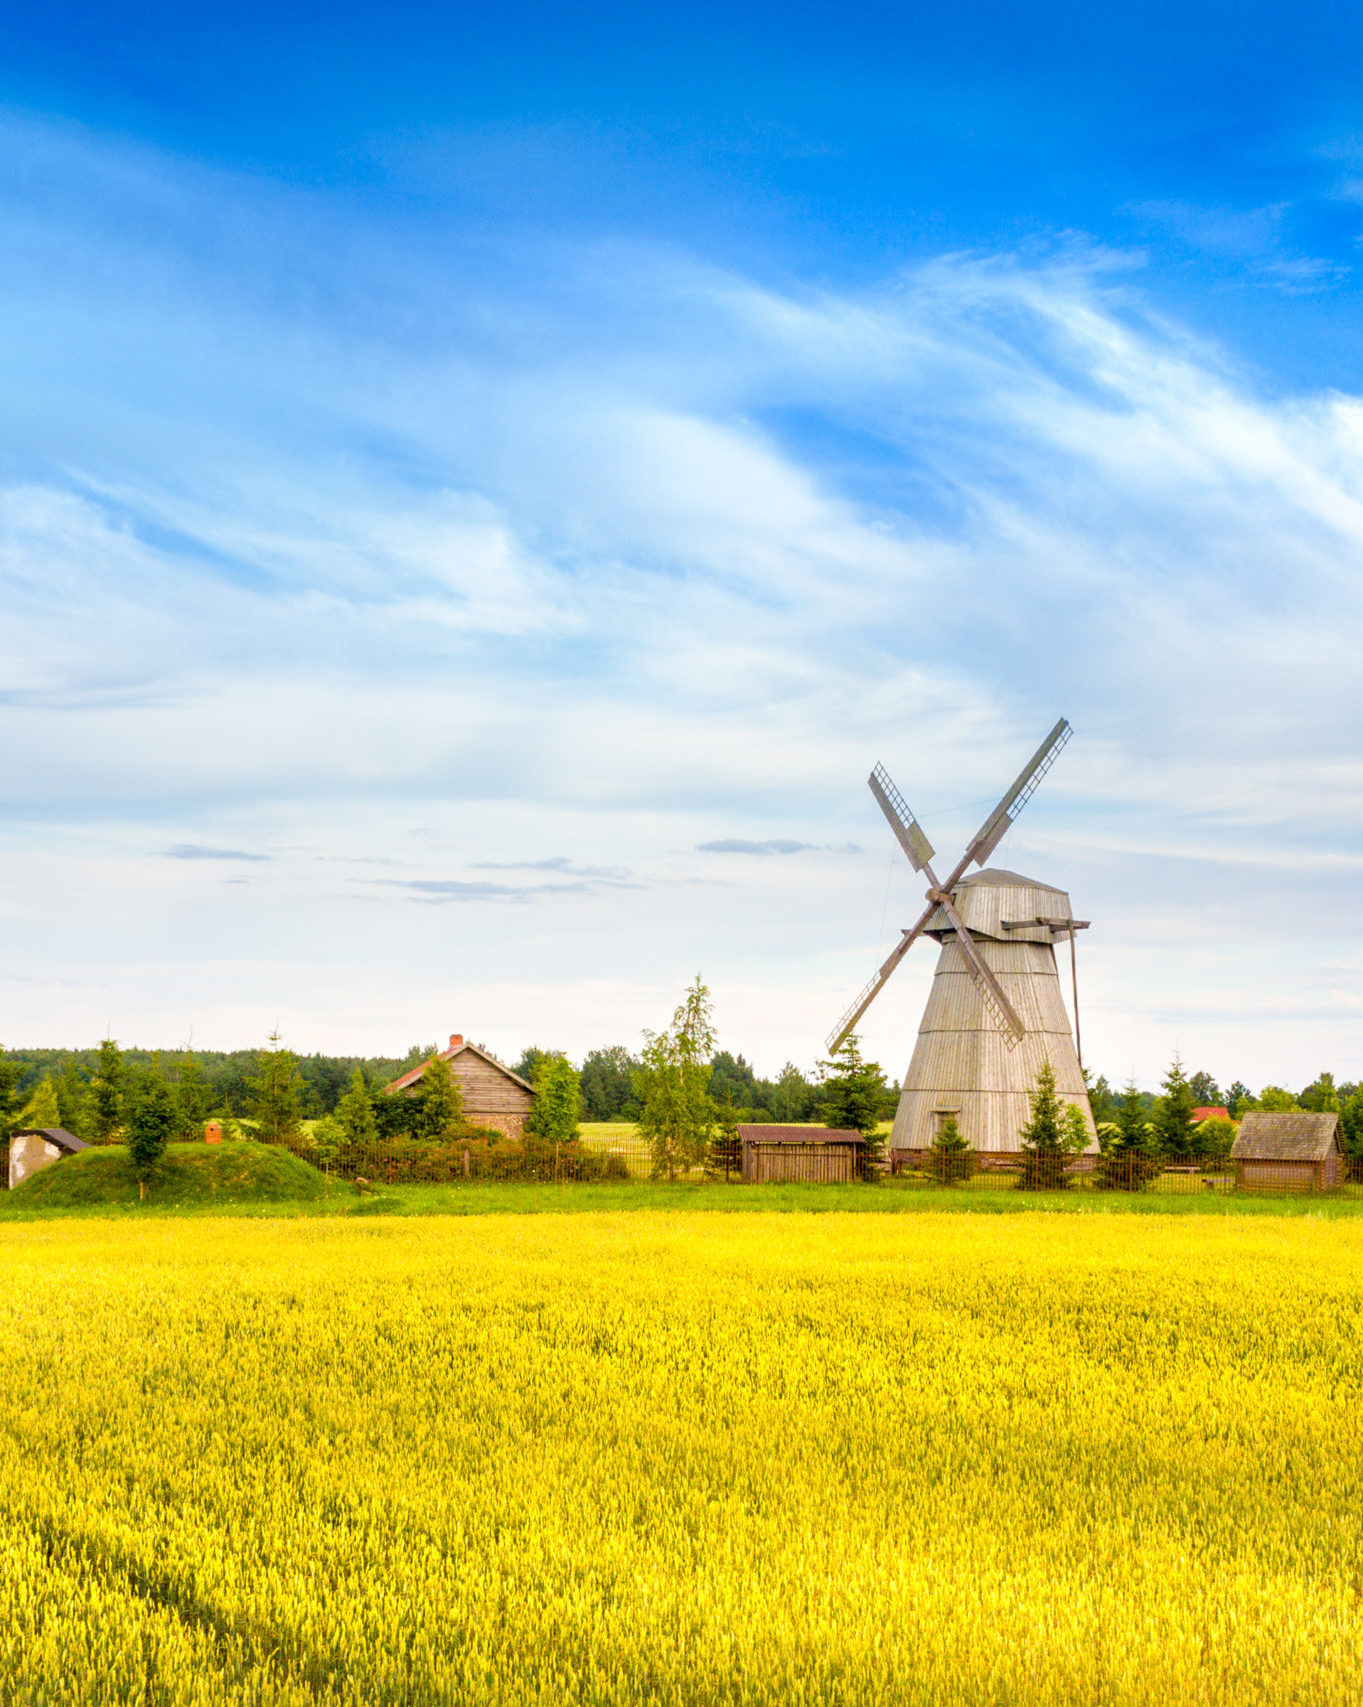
x: 314, y: 537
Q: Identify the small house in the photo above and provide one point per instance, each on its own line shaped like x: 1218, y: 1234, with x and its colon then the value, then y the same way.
x: 817, y: 1154
x: 33, y: 1148
x: 1292, y: 1152
x: 493, y: 1094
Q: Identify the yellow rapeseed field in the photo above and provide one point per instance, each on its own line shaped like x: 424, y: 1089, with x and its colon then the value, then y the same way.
x: 670, y: 1459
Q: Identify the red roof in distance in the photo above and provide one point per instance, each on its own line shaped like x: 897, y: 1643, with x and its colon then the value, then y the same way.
x: 1211, y: 1114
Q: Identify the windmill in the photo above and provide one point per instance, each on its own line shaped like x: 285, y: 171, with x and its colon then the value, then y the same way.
x: 995, y: 1012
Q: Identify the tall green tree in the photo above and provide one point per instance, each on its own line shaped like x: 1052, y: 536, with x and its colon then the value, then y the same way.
x: 607, y: 1081
x: 529, y: 1063
x: 193, y: 1099
x: 72, y: 1099
x: 558, y: 1102
x: 792, y: 1096
x: 355, y: 1111
x: 106, y: 1094
x: 853, y: 1095
x: 672, y: 1083
x: 1239, y: 1100
x: 1320, y: 1096
x: 1351, y: 1127
x: 1049, y: 1139
x: 276, y: 1093
x: 1273, y: 1099
x: 150, y: 1123
x: 1175, y: 1128
x: 42, y: 1108
x: 1206, y: 1091
x: 10, y: 1074
x: 440, y: 1103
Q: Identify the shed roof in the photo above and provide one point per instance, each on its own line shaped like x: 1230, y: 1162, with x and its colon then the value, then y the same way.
x: 1294, y: 1137
x: 764, y: 1134
x: 460, y: 1048
x: 57, y: 1135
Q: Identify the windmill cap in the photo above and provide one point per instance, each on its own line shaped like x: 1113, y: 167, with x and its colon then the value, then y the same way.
x: 1009, y: 879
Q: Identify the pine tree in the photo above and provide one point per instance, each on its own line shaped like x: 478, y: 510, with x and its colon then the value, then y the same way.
x: 950, y: 1159
x: 1239, y: 1100
x: 355, y: 1112
x: 42, y: 1108
x: 275, y: 1094
x: 193, y: 1099
x: 1175, y: 1129
x: 853, y: 1094
x: 558, y: 1102
x: 1049, y: 1138
x: 151, y: 1120
x: 106, y: 1094
x: 440, y: 1110
x: 1130, y: 1162
x: 672, y: 1083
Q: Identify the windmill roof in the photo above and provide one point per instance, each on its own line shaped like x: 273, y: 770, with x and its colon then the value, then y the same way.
x: 1008, y: 879
x: 1295, y: 1137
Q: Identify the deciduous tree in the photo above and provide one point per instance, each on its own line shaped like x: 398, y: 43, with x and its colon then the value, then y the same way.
x: 150, y: 1122
x: 558, y: 1102
x: 193, y: 1099
x: 672, y: 1083
x: 42, y: 1107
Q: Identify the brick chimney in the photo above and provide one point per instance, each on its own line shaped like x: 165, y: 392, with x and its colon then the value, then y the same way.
x: 456, y: 1039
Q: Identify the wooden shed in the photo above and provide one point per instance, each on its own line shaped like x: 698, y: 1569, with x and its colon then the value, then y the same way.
x: 1293, y: 1152
x: 493, y: 1094
x: 818, y: 1154
x: 32, y: 1148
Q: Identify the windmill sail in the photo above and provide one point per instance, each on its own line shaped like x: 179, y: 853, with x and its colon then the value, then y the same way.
x: 908, y: 831
x: 1000, y: 820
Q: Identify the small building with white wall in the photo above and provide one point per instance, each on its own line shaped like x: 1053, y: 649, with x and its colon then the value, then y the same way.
x: 33, y: 1148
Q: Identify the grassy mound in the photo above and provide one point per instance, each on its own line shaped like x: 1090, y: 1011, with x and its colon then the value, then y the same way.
x: 189, y: 1173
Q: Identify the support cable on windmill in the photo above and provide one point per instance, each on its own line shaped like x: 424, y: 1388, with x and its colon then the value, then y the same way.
x: 995, y: 1012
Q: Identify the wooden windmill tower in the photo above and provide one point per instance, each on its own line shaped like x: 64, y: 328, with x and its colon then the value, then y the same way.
x: 995, y: 1012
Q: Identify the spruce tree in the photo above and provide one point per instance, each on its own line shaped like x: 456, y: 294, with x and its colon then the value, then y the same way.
x: 355, y: 1111
x: 854, y: 1093
x: 1049, y: 1138
x: 106, y: 1094
x: 558, y: 1102
x: 151, y: 1120
x: 1175, y: 1129
x: 275, y: 1093
x: 950, y: 1159
x: 440, y: 1110
x: 1130, y: 1162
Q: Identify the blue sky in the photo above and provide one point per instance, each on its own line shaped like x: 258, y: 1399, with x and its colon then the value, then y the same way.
x: 480, y: 488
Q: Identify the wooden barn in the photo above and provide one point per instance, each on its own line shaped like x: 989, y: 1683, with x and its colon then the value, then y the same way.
x: 1293, y: 1152
x: 817, y: 1154
x: 32, y: 1148
x: 493, y: 1094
